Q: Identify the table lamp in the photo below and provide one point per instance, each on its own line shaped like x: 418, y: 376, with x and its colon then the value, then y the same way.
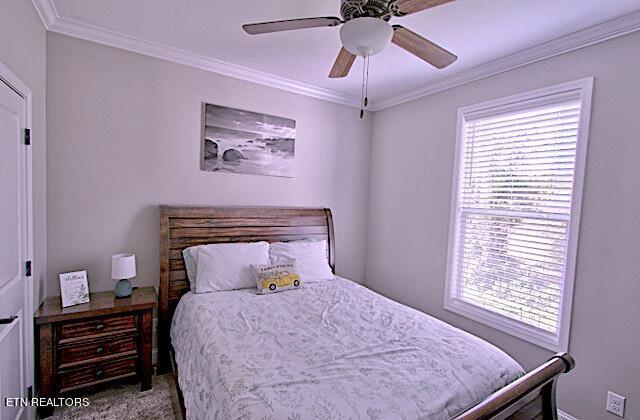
x: 123, y: 268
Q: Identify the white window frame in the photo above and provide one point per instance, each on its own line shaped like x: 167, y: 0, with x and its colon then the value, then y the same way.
x: 549, y: 95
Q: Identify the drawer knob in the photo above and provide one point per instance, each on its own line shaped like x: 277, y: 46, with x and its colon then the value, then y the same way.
x: 100, y: 327
x: 99, y: 373
x: 100, y: 350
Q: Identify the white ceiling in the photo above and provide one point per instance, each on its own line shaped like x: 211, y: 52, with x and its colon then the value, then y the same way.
x: 478, y: 31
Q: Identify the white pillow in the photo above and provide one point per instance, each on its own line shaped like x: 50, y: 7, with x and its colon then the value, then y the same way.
x: 310, y: 256
x: 228, y: 266
x: 190, y: 257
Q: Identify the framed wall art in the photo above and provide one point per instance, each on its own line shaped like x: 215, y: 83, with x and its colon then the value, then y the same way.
x: 246, y: 142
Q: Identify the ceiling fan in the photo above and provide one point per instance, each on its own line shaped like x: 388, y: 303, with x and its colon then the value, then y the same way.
x: 366, y: 31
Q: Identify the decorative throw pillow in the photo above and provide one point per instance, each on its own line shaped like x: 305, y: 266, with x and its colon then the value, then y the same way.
x: 274, y: 278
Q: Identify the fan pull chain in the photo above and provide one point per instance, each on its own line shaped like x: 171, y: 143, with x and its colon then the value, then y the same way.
x: 365, y: 85
x: 362, y: 96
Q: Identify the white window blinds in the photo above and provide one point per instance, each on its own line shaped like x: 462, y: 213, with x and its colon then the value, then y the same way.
x: 513, y: 209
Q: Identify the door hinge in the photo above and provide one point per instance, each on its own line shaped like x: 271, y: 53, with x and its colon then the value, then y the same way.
x: 30, y: 393
x: 27, y: 136
x: 27, y: 268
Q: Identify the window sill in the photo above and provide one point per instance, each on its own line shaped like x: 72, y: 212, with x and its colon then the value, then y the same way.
x: 544, y: 339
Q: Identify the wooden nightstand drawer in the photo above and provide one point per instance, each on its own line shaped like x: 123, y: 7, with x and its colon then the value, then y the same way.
x: 105, y: 325
x: 90, y: 351
x: 96, y: 373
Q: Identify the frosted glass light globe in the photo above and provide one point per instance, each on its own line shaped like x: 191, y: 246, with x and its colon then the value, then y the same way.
x: 366, y: 36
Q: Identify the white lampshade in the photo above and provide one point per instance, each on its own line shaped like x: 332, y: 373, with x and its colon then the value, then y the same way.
x: 366, y: 36
x: 123, y: 266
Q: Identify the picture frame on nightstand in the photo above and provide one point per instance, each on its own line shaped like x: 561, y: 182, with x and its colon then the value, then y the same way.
x: 74, y: 288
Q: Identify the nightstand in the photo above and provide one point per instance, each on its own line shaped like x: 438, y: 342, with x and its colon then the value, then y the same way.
x: 84, y: 347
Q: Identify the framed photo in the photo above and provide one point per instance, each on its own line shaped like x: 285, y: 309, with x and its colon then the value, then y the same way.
x: 246, y: 142
x: 74, y: 288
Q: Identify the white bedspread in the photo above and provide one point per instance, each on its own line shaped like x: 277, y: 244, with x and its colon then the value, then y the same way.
x: 330, y: 350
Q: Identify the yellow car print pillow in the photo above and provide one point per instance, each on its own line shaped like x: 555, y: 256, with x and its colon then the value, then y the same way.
x: 275, y: 278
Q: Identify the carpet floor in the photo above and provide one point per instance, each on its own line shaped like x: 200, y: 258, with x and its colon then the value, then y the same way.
x: 128, y: 403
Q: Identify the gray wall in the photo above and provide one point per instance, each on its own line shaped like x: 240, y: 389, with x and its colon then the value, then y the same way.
x: 22, y: 50
x: 410, y: 200
x: 124, y: 137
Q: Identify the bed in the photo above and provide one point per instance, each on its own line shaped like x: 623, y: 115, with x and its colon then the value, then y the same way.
x: 331, y: 349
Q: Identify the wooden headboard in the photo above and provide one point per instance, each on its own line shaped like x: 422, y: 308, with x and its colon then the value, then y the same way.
x: 182, y: 227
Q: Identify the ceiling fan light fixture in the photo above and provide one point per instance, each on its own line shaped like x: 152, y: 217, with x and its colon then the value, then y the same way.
x: 365, y: 32
x: 366, y: 36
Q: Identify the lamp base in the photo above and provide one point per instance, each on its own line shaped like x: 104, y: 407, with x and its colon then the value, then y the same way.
x: 123, y: 288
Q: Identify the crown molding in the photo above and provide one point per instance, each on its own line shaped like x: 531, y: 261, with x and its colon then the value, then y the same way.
x: 55, y: 23
x: 602, y: 32
x: 595, y: 34
x: 47, y: 12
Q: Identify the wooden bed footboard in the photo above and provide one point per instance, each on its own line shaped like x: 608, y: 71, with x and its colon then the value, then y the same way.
x: 530, y: 397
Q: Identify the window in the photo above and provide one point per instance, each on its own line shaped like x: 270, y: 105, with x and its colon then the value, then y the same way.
x: 516, y: 210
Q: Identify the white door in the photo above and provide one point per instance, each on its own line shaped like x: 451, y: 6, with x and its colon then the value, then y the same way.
x: 14, y: 245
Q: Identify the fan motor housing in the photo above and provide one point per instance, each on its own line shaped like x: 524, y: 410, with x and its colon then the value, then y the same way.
x: 385, y: 9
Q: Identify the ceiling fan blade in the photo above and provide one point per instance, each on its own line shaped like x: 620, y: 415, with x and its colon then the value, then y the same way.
x: 406, y: 7
x: 288, y: 25
x: 422, y: 47
x: 343, y: 64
